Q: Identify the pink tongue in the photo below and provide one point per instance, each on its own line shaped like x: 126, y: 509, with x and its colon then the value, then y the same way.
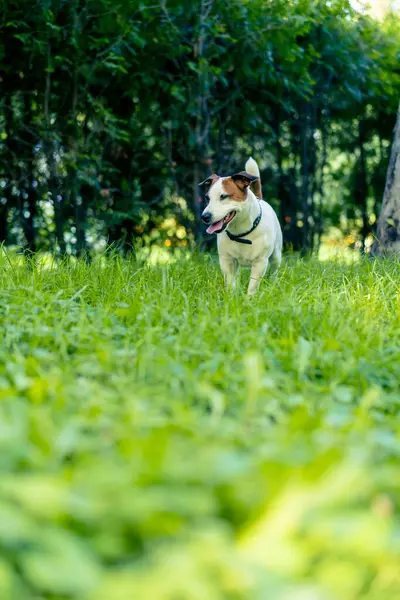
x: 215, y: 226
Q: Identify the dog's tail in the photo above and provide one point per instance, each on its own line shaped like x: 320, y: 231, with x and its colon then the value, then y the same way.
x: 252, y: 168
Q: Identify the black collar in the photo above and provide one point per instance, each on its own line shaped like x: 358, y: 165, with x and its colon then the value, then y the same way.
x: 238, y: 238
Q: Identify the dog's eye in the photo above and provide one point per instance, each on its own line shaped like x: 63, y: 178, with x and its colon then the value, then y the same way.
x: 224, y: 196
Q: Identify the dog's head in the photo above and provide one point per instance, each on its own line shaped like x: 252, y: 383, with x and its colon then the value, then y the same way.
x: 226, y: 197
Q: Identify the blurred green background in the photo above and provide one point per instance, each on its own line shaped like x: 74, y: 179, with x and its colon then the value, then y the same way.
x: 112, y: 112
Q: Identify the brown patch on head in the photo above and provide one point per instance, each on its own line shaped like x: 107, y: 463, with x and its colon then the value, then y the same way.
x: 231, y: 188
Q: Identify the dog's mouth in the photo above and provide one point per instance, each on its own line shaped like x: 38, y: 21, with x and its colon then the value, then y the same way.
x: 219, y: 226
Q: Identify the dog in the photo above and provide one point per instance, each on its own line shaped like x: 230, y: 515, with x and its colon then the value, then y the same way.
x: 248, y: 229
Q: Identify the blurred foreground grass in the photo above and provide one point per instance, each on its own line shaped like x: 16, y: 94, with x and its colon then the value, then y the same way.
x: 163, y: 440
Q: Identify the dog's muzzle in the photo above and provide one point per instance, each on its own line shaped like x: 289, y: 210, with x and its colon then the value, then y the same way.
x: 222, y: 224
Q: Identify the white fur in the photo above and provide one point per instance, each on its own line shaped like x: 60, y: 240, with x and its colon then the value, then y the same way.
x: 252, y: 167
x: 266, y: 238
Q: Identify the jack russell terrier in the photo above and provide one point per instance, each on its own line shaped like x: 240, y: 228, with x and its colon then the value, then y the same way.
x: 248, y: 229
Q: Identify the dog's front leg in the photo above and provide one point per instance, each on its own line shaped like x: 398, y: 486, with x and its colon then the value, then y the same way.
x: 228, y: 267
x: 258, y: 270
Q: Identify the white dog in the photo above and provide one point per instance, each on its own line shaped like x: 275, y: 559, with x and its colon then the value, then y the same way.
x: 248, y: 228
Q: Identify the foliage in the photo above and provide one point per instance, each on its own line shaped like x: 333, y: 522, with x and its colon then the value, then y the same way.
x: 111, y: 113
x: 163, y: 439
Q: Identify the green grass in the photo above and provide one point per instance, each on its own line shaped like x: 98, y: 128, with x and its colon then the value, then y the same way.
x: 161, y: 439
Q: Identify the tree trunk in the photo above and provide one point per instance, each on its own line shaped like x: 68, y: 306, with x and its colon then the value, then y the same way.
x: 388, y: 233
x: 80, y: 219
x: 3, y: 224
x: 197, y: 203
x: 305, y: 167
x: 50, y: 150
x: 321, y: 183
x: 203, y: 119
x: 363, y: 184
x: 56, y: 196
x: 28, y: 223
x: 77, y: 201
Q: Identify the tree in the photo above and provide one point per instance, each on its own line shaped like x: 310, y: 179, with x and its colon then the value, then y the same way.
x: 111, y: 113
x: 388, y: 233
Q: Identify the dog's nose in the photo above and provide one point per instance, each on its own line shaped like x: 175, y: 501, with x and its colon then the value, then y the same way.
x: 206, y: 217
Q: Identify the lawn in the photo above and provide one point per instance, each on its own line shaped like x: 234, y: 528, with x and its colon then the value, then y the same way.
x: 161, y: 439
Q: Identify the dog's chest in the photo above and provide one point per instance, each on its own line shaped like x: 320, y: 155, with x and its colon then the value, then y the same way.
x: 245, y: 254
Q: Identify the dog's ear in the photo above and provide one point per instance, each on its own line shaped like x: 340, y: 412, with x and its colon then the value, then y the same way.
x: 243, y: 180
x: 207, y: 183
